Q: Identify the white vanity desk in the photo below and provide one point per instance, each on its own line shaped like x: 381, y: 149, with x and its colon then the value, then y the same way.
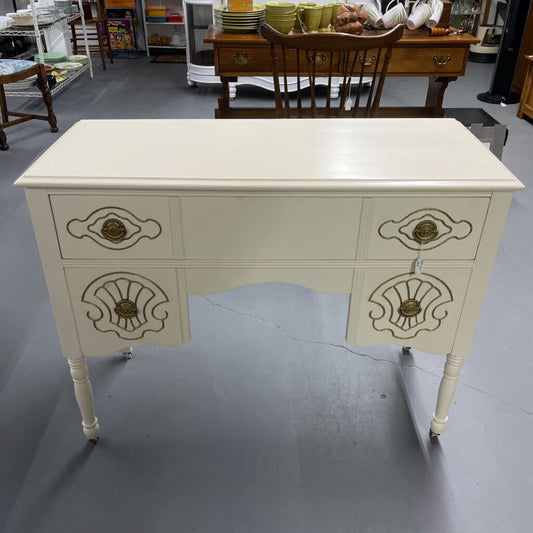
x: 167, y: 208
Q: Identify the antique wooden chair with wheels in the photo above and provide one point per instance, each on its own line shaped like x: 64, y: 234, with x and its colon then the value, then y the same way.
x: 97, y: 34
x: 343, y: 63
x: 17, y: 70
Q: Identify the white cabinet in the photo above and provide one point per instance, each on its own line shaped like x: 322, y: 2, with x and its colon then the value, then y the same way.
x: 339, y: 206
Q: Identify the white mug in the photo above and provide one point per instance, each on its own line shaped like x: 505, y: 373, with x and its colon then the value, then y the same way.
x: 420, y: 13
x: 436, y: 13
x: 373, y: 13
x: 394, y: 15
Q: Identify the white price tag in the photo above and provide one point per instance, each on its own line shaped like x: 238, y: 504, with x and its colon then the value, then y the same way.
x: 419, y: 266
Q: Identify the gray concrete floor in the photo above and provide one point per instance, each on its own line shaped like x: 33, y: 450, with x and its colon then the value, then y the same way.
x: 267, y: 421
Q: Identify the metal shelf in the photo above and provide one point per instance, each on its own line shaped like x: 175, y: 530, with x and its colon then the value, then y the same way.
x: 161, y: 23
x: 35, y: 92
x: 20, y: 31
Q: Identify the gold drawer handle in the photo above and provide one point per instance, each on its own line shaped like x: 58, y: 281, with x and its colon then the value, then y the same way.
x: 241, y: 58
x: 113, y: 230
x: 441, y: 60
x: 367, y: 61
x: 425, y: 231
x: 320, y: 59
x: 126, y: 309
x: 410, y: 308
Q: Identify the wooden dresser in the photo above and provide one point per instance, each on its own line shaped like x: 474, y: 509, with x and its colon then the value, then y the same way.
x: 203, y: 206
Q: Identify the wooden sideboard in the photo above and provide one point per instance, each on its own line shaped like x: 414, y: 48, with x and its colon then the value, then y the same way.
x: 339, y: 206
x: 439, y: 59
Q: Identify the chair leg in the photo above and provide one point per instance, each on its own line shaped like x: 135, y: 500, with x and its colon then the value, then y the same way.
x: 3, y: 109
x: 108, y: 42
x: 47, y: 97
x: 101, y: 44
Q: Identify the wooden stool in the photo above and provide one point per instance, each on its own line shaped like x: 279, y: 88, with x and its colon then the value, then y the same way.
x: 23, y: 117
x: 526, y: 101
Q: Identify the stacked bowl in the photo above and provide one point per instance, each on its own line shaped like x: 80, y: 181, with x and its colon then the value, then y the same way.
x: 281, y: 15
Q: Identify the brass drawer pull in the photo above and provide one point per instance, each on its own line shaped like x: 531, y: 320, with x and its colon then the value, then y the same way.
x: 368, y: 61
x: 410, y: 308
x: 241, y: 58
x: 425, y: 231
x: 320, y: 59
x: 126, y: 309
x: 441, y: 60
x: 114, y: 230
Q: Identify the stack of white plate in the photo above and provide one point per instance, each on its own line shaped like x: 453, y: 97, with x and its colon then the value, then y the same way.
x: 239, y: 21
x: 21, y: 85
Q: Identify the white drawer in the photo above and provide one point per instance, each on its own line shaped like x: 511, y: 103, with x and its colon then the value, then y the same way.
x: 270, y: 228
x: 392, y: 306
x: 449, y: 228
x: 116, y: 308
x: 112, y: 227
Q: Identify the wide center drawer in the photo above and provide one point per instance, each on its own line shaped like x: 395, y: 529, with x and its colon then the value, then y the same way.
x: 270, y: 228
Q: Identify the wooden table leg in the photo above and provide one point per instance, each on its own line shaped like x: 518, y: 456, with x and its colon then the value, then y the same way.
x: 47, y: 97
x: 436, y: 89
x: 84, y: 396
x: 224, y: 109
x: 447, y: 387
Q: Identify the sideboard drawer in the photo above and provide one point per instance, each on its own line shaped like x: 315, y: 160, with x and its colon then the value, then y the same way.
x: 447, y: 228
x: 433, y: 62
x: 116, y: 308
x: 242, y: 60
x: 112, y: 227
x: 396, y: 307
x: 270, y: 228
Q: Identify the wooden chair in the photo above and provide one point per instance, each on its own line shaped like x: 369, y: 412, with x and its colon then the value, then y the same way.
x: 23, y: 117
x: 97, y: 34
x: 334, y: 60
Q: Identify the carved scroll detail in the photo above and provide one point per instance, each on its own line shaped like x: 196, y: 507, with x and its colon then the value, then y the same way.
x: 125, y: 304
x: 114, y: 228
x: 414, y: 229
x: 407, y: 305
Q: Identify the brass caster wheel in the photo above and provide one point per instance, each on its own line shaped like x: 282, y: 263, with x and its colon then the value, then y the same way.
x: 54, y: 130
x: 4, y: 147
x: 433, y: 437
x: 94, y: 441
x: 126, y: 355
x: 406, y: 350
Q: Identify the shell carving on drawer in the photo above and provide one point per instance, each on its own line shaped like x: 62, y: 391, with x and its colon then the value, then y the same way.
x: 426, y: 227
x: 114, y: 228
x: 407, y: 305
x: 126, y: 304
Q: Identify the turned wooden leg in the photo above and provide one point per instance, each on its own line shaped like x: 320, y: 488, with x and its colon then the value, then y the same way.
x: 47, y: 97
x: 3, y: 140
x: 436, y: 88
x: 84, y: 397
x: 447, y: 388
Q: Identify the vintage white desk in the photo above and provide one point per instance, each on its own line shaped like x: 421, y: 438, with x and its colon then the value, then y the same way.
x: 167, y: 208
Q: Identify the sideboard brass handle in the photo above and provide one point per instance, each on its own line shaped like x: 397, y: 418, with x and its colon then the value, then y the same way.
x: 410, y: 308
x: 320, y: 59
x: 367, y: 61
x: 113, y: 230
x: 126, y: 309
x: 425, y: 231
x: 241, y: 58
x: 441, y: 60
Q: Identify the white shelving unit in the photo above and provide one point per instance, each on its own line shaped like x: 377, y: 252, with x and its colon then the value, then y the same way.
x: 164, y: 29
x: 40, y: 30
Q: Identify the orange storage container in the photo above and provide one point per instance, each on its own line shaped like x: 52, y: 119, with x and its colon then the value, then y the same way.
x: 156, y: 11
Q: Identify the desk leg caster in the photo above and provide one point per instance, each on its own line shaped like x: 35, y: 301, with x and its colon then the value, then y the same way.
x: 127, y: 353
x: 433, y: 437
x: 406, y: 350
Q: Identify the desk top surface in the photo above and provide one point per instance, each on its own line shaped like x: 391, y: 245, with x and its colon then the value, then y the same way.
x: 330, y: 155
